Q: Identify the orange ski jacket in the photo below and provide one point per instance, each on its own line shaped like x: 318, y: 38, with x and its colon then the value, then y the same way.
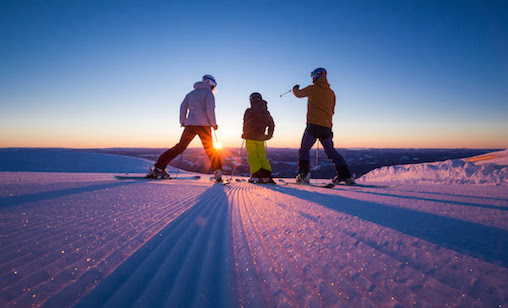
x: 321, y: 102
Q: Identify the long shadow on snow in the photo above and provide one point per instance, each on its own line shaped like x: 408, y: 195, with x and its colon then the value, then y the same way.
x: 494, y: 207
x: 402, y: 189
x: 487, y: 243
x: 183, y: 265
x: 27, y: 198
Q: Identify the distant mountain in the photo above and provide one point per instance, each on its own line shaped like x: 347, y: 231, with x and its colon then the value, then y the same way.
x: 69, y: 160
x: 460, y: 166
x: 285, y: 161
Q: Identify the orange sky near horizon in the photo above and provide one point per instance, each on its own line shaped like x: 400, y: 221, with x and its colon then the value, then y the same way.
x: 67, y: 139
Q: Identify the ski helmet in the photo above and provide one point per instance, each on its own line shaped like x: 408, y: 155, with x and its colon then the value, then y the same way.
x: 317, y: 73
x: 255, y: 96
x: 210, y: 80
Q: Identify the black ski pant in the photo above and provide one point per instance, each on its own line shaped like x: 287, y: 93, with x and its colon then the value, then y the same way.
x: 325, y: 135
x: 205, y: 134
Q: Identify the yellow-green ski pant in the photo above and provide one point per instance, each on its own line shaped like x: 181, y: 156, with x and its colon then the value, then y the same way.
x: 256, y: 155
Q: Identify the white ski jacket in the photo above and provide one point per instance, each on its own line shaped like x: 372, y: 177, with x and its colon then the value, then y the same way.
x: 200, y: 104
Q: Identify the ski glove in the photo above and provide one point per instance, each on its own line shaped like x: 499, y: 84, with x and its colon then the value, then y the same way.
x: 215, y: 127
x: 296, y: 87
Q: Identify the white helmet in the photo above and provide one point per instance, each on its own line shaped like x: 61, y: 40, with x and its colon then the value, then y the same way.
x: 210, y: 80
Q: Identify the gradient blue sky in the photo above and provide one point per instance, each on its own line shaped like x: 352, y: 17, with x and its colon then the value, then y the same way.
x: 113, y: 73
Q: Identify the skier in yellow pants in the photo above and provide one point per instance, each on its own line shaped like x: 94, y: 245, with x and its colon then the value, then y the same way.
x: 257, y: 156
x: 256, y: 121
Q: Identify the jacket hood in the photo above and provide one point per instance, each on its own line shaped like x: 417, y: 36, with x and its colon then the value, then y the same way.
x: 202, y: 85
x: 322, y: 82
x: 259, y: 105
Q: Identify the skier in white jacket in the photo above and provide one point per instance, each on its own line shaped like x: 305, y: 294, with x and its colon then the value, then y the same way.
x: 197, y: 115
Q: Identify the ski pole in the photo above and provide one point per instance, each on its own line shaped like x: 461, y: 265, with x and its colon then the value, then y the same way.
x: 285, y: 93
x: 317, y: 155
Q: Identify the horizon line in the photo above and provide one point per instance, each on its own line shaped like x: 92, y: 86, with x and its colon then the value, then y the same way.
x: 271, y: 147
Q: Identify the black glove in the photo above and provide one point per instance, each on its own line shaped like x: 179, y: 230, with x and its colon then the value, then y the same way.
x: 267, y: 137
x: 296, y: 87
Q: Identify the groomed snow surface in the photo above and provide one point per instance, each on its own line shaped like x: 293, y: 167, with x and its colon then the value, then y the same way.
x: 490, y: 169
x: 88, y: 240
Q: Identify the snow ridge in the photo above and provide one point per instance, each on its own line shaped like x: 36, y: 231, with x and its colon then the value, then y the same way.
x: 489, y: 169
x: 68, y: 160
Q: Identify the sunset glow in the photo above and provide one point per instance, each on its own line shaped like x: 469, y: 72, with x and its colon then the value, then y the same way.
x: 403, y: 77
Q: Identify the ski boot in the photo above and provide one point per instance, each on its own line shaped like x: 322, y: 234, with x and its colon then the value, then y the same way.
x: 255, y: 180
x: 257, y: 177
x: 303, y: 177
x: 157, y: 173
x: 347, y: 181
x: 217, y: 174
x: 268, y: 181
x: 266, y: 176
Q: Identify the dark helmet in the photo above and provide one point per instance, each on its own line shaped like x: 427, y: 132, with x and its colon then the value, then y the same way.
x: 317, y: 73
x: 255, y: 96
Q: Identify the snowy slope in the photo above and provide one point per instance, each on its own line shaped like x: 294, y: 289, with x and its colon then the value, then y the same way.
x: 89, y: 240
x: 67, y: 160
x: 489, y: 169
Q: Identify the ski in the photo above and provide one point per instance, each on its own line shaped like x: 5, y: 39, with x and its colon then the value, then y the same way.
x: 259, y: 183
x: 212, y: 179
x: 140, y: 177
x: 247, y: 181
x: 328, y: 185
x: 369, y: 185
x: 335, y: 185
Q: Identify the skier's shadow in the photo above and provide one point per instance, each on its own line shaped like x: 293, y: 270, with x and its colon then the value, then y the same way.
x: 487, y: 243
x: 40, y: 196
x: 485, y: 206
x: 184, y: 265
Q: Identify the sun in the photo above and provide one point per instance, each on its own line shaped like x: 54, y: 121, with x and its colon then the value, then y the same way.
x: 217, y: 145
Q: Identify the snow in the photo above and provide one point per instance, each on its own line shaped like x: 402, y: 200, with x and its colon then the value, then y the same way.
x: 488, y: 169
x: 88, y: 240
x: 63, y: 160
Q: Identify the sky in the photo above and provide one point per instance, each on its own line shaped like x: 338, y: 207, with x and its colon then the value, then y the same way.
x: 406, y: 74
